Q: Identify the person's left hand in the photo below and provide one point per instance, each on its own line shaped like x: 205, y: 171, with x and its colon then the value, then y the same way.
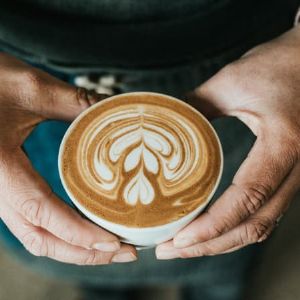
x: 262, y: 89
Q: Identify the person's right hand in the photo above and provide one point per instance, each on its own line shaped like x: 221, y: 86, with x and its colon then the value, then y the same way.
x: 44, y: 224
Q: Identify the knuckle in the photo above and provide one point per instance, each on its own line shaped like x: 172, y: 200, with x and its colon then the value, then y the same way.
x: 208, y: 250
x: 82, y: 97
x: 216, y: 227
x: 253, y: 197
x: 255, y: 231
x: 194, y: 251
x: 216, y: 230
x: 186, y: 253
x: 31, y: 209
x: 94, y: 258
x: 30, y: 88
x: 31, y: 79
x: 69, y: 234
x: 35, y: 243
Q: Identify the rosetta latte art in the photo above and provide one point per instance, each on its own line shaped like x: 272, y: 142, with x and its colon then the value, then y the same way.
x: 143, y: 159
x: 138, y: 144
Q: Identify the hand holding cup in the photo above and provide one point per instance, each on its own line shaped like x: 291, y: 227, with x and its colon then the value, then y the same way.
x: 43, y: 223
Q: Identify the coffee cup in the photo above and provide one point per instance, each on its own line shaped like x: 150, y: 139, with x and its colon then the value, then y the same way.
x: 141, y: 165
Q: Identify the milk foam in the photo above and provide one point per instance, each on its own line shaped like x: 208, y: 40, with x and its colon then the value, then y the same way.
x: 147, y: 142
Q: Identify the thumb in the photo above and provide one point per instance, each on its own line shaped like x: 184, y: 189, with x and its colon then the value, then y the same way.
x: 56, y: 99
x: 203, y: 103
x: 215, y: 97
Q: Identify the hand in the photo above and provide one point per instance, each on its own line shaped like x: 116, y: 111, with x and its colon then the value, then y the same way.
x: 43, y: 223
x: 262, y: 89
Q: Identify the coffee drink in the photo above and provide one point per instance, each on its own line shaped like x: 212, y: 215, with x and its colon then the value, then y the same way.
x: 141, y: 159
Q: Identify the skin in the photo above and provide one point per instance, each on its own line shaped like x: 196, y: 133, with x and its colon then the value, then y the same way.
x: 43, y: 223
x: 262, y: 89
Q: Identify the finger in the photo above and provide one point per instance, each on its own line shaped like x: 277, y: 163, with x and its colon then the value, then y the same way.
x: 39, y: 242
x: 255, y: 229
x: 63, y: 101
x: 29, y: 194
x: 39, y: 92
x: 255, y: 182
x: 53, y: 98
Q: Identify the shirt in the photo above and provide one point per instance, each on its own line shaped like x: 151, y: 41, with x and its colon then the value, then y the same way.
x: 132, y: 33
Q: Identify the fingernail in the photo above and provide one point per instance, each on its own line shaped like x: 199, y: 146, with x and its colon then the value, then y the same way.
x: 107, y: 246
x: 166, y: 253
x: 124, y: 257
x: 184, y: 242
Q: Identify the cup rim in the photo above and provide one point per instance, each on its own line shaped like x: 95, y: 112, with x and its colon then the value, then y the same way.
x: 93, y: 217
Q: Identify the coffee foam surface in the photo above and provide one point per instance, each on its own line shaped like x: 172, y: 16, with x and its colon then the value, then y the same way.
x: 141, y: 160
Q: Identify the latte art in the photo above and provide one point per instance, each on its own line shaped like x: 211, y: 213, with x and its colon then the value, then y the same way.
x: 140, y: 161
x: 138, y: 144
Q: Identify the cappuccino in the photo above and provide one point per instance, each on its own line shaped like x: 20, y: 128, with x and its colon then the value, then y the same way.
x: 140, y: 159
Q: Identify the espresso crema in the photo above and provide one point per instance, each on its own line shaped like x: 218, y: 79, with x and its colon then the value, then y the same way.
x: 141, y: 159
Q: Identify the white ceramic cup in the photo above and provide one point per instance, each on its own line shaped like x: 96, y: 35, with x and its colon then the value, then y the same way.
x: 142, y: 237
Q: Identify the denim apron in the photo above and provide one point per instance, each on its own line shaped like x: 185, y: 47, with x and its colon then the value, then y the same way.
x: 220, y: 277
